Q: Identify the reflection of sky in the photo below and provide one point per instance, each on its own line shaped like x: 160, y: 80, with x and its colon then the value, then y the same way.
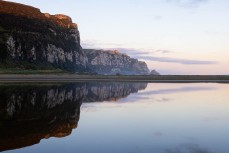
x: 196, y: 121
x: 176, y: 90
x: 164, y: 91
x: 188, y: 148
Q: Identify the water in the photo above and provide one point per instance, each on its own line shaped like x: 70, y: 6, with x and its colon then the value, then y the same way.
x: 114, y: 118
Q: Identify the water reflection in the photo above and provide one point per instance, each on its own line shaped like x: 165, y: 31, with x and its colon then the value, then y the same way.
x: 29, y: 113
x: 188, y: 148
x: 114, y: 118
x: 177, y: 90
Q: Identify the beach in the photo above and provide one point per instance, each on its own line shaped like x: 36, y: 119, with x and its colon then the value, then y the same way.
x: 113, y: 78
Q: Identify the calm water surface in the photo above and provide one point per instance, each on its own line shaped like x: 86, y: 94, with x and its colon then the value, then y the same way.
x: 114, y: 118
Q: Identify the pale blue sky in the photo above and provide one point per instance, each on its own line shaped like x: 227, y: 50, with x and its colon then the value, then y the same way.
x: 172, y: 36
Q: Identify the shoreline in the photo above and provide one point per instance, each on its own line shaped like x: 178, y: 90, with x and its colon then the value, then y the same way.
x: 7, y: 78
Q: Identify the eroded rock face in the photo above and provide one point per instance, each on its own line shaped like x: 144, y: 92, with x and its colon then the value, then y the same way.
x: 113, y: 62
x: 36, y: 37
x: 29, y: 114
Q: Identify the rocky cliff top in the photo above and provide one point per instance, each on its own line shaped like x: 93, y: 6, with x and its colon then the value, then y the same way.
x: 17, y: 9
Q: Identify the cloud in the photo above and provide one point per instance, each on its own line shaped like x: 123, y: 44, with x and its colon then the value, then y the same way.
x: 188, y: 3
x: 88, y: 43
x: 157, y: 17
x: 92, y: 43
x: 140, y: 53
x: 163, y: 51
x: 132, y: 51
x: 177, y: 60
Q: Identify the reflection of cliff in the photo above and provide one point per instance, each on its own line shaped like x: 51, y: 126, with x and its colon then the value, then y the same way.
x: 111, y: 91
x: 31, y: 113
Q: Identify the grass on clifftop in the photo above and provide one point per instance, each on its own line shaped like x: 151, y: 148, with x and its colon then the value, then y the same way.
x: 22, y: 67
x: 2, y: 29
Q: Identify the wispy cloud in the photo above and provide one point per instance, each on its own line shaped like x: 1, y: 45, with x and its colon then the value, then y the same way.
x: 141, y: 52
x: 163, y: 51
x: 132, y: 51
x: 188, y: 3
x: 89, y: 43
x: 177, y: 60
x: 92, y: 43
x: 157, y: 17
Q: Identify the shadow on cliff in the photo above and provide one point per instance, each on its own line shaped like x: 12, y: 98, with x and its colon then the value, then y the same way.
x: 30, y: 113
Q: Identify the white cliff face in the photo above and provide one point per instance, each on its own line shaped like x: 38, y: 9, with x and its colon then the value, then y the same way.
x: 113, y: 62
x: 58, y: 55
x: 110, y: 59
x: 104, y: 62
x: 47, y: 52
x: 54, y: 54
x: 11, y: 46
x: 69, y: 56
x: 81, y: 59
x: 14, y: 51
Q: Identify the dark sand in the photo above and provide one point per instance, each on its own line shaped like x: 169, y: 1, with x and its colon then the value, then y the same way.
x: 84, y: 78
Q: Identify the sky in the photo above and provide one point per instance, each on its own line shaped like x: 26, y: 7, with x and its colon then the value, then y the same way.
x: 171, y: 36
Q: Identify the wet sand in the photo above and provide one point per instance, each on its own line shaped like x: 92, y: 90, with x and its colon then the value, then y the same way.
x: 109, y: 78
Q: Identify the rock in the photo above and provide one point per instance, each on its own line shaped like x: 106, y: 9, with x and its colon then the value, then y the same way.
x: 113, y: 62
x: 40, y: 38
x: 154, y: 72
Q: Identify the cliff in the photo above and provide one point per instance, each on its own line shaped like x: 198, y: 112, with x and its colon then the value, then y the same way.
x: 113, y: 62
x: 29, y: 114
x: 40, y: 39
x: 30, y: 39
